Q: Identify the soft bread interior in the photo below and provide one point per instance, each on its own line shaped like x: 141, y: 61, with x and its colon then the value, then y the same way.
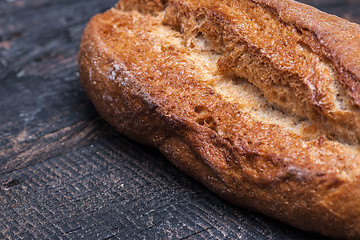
x: 233, y: 89
x: 253, y: 55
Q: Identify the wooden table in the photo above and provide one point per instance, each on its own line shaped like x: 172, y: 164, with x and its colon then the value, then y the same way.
x: 66, y: 174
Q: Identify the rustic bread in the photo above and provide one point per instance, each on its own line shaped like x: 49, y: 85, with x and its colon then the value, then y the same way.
x: 258, y: 100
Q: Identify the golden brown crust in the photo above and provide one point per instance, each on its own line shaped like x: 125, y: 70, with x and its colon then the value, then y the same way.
x: 339, y: 37
x: 303, y: 60
x: 150, y: 90
x: 143, y: 6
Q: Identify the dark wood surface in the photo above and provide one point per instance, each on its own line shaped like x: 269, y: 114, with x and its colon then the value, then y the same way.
x: 66, y: 174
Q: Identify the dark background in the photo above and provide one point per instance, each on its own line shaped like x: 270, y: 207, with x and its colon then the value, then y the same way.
x: 66, y: 174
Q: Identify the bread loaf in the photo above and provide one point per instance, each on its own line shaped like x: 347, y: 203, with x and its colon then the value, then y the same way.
x: 256, y: 99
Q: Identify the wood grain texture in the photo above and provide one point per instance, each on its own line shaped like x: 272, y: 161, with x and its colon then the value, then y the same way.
x: 66, y: 174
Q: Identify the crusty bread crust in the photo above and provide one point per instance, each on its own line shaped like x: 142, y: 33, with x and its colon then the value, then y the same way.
x: 339, y: 38
x: 304, y: 61
x: 150, y: 88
